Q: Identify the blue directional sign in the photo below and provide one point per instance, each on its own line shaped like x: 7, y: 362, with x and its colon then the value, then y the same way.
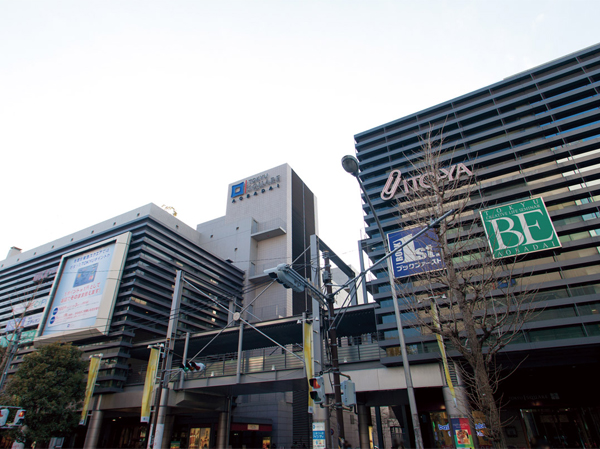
x: 418, y: 256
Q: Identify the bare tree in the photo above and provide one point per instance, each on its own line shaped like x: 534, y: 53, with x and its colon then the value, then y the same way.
x: 469, y: 299
x: 21, y: 306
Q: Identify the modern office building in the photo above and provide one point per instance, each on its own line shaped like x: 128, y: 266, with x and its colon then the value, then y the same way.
x: 533, y: 135
x: 269, y: 219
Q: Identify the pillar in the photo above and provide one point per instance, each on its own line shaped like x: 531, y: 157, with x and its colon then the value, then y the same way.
x: 380, y: 437
x: 93, y: 433
x: 222, y: 430
x: 168, y: 430
x: 363, y: 426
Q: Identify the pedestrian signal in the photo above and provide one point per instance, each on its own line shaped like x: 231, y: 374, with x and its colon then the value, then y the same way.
x: 317, y: 390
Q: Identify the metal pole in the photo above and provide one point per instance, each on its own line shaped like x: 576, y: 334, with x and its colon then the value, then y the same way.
x: 320, y: 414
x: 339, y: 412
x: 407, y: 374
x: 184, y: 360
x: 238, y: 374
x: 361, y: 259
x: 163, y: 390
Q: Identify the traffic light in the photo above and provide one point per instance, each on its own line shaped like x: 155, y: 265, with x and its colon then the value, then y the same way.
x: 195, y: 366
x: 317, y: 392
x: 19, y: 417
x: 286, y: 276
x: 4, y: 416
x: 348, y: 393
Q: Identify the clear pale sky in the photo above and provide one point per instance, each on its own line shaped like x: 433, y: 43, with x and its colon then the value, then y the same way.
x: 109, y: 105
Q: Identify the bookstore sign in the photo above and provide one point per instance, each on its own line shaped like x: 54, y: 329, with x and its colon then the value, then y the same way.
x: 519, y: 228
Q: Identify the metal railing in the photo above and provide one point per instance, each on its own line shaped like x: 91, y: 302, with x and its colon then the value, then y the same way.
x: 268, y: 359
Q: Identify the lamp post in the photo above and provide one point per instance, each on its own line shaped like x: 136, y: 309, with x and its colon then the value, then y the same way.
x: 350, y: 164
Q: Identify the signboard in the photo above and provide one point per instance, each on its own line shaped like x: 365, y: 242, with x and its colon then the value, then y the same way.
x: 318, y: 429
x: 26, y: 336
x: 462, y: 433
x: 83, y: 293
x: 250, y: 187
x: 29, y: 305
x: 31, y: 320
x: 422, y: 181
x: 418, y: 256
x: 519, y: 228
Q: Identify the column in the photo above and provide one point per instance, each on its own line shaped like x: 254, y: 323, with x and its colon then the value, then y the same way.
x: 363, y: 426
x: 222, y: 430
x: 93, y: 433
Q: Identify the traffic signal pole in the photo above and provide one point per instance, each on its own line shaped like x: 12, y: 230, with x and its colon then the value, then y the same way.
x: 333, y: 346
x: 162, y: 395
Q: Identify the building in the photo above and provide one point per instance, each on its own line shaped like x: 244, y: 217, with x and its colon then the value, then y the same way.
x: 269, y: 219
x: 533, y: 135
x: 132, y: 260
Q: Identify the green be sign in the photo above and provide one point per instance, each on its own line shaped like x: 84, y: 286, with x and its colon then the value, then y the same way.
x: 519, y: 228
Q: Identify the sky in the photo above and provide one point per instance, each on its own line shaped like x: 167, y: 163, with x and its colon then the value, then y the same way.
x: 109, y: 105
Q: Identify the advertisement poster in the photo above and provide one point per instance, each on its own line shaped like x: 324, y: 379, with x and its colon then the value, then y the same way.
x: 519, y: 228
x: 318, y: 429
x: 31, y: 320
x: 79, y: 291
x: 199, y: 438
x: 418, y: 256
x: 462, y: 433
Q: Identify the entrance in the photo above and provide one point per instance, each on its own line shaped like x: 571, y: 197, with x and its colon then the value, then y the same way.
x: 564, y: 428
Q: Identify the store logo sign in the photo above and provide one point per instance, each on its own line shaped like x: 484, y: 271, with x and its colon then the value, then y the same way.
x: 418, y: 256
x: 251, y: 186
x: 421, y: 182
x: 519, y: 228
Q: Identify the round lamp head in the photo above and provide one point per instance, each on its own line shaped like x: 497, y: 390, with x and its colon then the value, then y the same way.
x: 350, y: 164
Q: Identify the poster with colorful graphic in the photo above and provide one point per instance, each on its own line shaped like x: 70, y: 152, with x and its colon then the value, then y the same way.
x: 462, y: 433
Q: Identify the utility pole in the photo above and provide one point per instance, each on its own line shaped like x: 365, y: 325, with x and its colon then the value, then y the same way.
x: 162, y: 395
x: 339, y: 412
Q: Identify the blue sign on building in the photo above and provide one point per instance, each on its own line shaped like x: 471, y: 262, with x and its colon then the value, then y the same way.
x: 418, y: 256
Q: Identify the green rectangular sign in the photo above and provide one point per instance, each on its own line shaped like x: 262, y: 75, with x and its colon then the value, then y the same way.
x: 519, y: 228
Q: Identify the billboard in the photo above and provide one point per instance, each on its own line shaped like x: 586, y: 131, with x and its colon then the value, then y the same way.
x: 26, y: 321
x: 82, y: 297
x: 418, y: 256
x: 519, y: 228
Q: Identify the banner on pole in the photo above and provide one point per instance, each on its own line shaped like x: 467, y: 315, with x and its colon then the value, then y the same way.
x: 308, y: 358
x: 149, y: 383
x: 91, y: 383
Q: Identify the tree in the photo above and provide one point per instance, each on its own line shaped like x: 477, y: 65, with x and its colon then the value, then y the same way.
x: 50, y: 386
x: 470, y: 300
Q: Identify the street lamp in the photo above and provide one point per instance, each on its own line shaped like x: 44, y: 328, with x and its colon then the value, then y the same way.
x: 350, y: 164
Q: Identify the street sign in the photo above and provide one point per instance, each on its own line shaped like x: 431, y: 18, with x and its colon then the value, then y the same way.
x: 519, y: 228
x: 418, y: 256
